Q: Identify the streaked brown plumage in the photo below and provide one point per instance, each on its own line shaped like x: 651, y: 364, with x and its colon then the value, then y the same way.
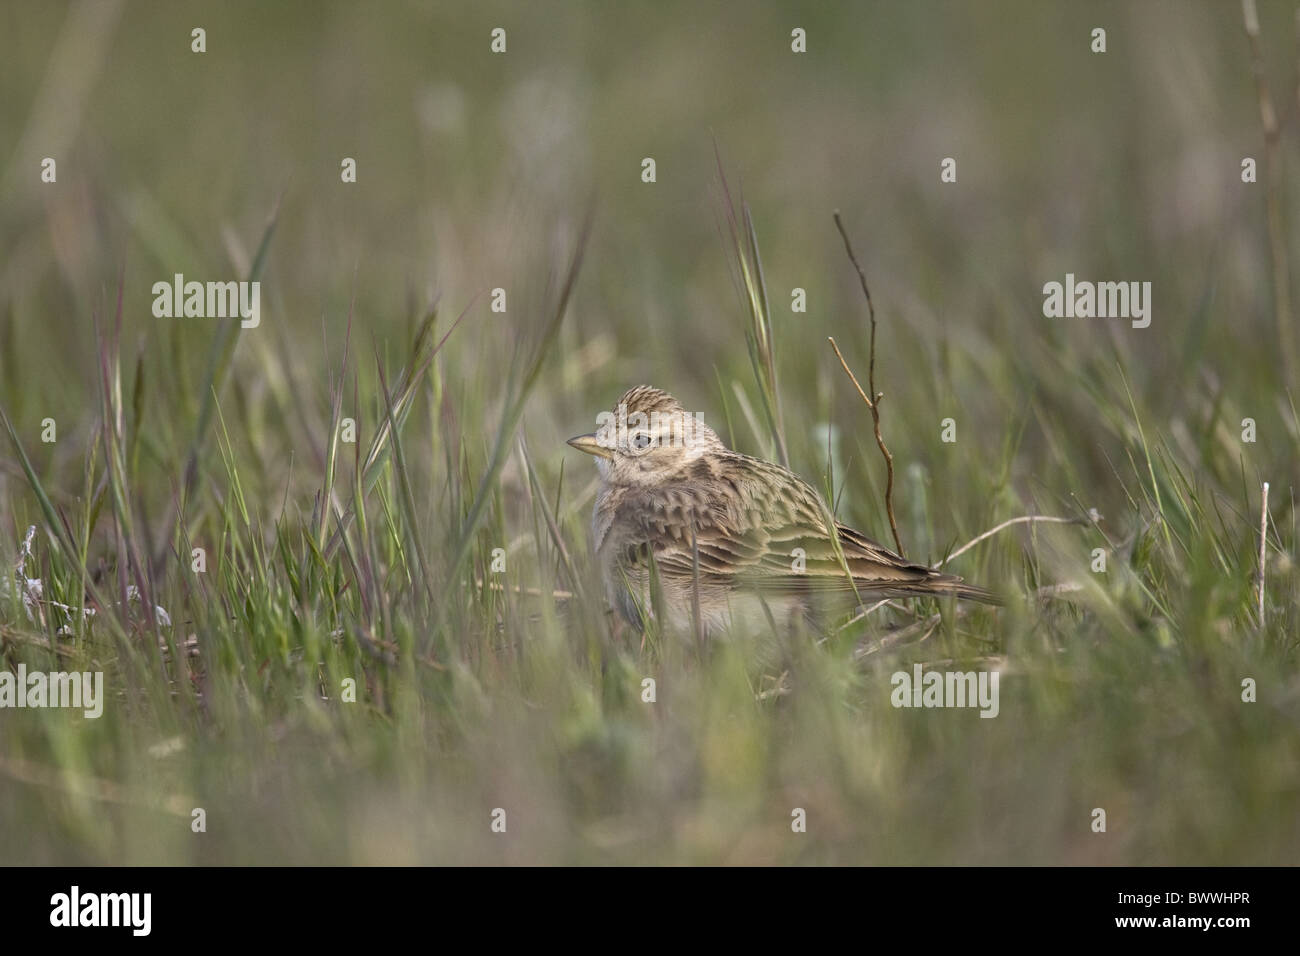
x: 730, y: 522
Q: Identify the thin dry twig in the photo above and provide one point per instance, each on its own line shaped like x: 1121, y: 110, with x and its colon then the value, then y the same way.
x: 1047, y: 591
x: 873, y: 402
x: 1272, y: 200
x: 1023, y: 519
x: 1263, y: 538
x: 904, y: 635
x: 864, y: 613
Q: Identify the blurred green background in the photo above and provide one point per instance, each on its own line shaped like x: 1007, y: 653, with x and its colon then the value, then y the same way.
x: 476, y: 171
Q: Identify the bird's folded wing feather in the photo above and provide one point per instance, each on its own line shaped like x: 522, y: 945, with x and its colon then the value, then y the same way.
x: 783, y: 549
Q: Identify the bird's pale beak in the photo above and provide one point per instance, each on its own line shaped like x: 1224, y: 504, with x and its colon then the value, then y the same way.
x: 591, y: 446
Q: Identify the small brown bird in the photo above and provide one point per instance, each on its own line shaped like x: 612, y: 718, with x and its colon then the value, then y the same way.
x: 744, y: 541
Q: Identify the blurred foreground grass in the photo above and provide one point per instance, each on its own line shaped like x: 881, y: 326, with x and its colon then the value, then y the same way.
x: 329, y: 561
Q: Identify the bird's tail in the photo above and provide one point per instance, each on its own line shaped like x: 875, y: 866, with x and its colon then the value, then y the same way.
x: 951, y: 585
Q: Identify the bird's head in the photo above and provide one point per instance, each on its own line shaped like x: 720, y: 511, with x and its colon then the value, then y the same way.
x: 648, y: 438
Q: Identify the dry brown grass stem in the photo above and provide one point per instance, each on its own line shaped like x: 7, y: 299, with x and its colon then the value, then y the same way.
x: 873, y: 402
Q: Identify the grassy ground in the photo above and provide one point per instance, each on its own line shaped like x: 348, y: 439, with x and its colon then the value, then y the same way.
x: 329, y: 561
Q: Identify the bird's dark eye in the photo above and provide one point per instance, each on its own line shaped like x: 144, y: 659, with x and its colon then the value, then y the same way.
x: 641, y: 441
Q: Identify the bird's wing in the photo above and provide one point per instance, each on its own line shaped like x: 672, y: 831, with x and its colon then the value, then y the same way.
x: 774, y: 542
